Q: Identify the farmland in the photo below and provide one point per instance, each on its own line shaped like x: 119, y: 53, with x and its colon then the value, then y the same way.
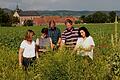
x: 61, y: 65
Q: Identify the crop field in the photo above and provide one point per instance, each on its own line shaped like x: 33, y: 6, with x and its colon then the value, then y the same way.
x: 61, y: 65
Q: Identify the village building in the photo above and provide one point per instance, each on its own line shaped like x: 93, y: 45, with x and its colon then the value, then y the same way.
x: 38, y: 19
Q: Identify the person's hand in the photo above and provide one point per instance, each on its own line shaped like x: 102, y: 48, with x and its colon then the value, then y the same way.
x: 44, y: 50
x: 88, y: 49
x: 20, y: 65
x: 58, y: 44
x: 53, y: 46
x: 81, y: 48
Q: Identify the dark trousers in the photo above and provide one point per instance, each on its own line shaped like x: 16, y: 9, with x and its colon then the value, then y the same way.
x: 28, y: 61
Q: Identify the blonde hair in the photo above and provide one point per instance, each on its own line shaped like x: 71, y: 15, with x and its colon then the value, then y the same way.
x: 27, y: 35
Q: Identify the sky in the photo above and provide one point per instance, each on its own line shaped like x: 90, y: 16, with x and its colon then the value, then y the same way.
x: 75, y: 5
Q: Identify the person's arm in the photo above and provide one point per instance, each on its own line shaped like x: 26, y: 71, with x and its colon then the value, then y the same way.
x: 42, y: 50
x: 59, y: 41
x: 63, y: 38
x: 36, y: 51
x: 77, y: 46
x: 20, y: 56
x: 51, y: 44
x: 91, y: 43
x: 89, y: 48
x: 37, y: 47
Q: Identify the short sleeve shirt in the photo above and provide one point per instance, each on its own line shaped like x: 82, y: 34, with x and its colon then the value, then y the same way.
x: 29, y: 49
x: 54, y: 34
x: 85, y: 44
x: 43, y: 43
x: 69, y: 37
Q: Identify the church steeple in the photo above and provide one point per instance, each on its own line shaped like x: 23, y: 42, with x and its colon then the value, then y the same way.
x: 17, y: 8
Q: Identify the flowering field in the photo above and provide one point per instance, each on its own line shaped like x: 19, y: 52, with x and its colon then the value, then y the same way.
x: 61, y: 65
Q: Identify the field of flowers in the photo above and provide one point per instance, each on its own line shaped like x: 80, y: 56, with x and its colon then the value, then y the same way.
x: 61, y: 65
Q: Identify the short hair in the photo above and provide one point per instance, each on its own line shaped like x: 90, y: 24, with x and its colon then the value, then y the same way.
x: 68, y: 21
x: 27, y: 35
x: 87, y: 34
x: 51, y: 22
x: 45, y: 30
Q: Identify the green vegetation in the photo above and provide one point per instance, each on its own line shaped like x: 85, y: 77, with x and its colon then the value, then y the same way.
x: 100, y: 17
x: 61, y: 65
x: 5, y: 19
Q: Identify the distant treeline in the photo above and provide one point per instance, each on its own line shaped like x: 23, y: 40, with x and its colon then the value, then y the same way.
x: 98, y: 17
x: 7, y: 19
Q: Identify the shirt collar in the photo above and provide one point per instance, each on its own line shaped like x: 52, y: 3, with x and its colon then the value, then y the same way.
x: 53, y: 29
x: 72, y: 28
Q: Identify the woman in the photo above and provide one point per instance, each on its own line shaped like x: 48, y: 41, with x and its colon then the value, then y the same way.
x: 44, y: 43
x: 55, y: 34
x: 85, y: 43
x: 27, y: 50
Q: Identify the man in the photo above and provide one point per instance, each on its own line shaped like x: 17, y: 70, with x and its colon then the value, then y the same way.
x: 69, y: 35
x: 55, y: 34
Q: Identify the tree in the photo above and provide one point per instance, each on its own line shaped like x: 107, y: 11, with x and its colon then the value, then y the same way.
x: 97, y: 17
x: 5, y: 19
x: 1, y: 15
x: 15, y: 20
x: 112, y: 15
x: 83, y: 18
x: 28, y: 23
x: 77, y: 22
x: 89, y: 19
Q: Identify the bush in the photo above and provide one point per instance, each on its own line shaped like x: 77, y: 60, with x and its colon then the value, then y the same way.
x: 28, y: 23
x: 62, y: 65
x: 6, y: 24
x: 77, y: 22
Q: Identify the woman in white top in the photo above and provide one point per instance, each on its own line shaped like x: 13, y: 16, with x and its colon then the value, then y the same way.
x: 27, y: 50
x: 85, y: 43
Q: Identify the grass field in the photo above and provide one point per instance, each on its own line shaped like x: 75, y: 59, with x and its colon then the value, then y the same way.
x: 61, y: 65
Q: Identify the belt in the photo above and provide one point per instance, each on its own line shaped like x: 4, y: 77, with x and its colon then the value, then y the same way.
x: 29, y: 58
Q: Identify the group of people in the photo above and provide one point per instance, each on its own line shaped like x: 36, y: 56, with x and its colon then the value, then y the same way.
x: 77, y: 39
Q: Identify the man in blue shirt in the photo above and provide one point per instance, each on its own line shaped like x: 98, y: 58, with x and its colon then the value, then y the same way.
x: 55, y: 34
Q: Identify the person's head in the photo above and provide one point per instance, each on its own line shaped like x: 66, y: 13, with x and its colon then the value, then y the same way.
x: 52, y: 24
x: 44, y: 32
x: 68, y: 23
x: 83, y: 32
x: 29, y: 35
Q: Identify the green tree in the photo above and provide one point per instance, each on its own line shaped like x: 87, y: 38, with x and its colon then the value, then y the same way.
x: 89, y: 19
x: 77, y: 22
x: 83, y: 18
x: 112, y: 15
x: 5, y: 19
x: 97, y: 17
x: 1, y: 15
x: 15, y: 20
x: 28, y: 23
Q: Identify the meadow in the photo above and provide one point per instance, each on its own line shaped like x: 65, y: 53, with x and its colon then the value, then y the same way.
x: 61, y: 65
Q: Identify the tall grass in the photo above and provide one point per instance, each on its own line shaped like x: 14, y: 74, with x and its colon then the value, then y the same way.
x: 61, y: 64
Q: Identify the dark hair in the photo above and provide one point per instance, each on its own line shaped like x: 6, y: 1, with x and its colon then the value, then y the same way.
x: 68, y: 21
x: 45, y: 30
x: 51, y: 22
x: 27, y: 35
x: 87, y: 34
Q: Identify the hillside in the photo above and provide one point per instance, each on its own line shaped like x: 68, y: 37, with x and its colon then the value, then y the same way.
x: 63, y: 12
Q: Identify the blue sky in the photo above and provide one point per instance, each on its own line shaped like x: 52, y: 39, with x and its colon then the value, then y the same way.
x: 74, y: 5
